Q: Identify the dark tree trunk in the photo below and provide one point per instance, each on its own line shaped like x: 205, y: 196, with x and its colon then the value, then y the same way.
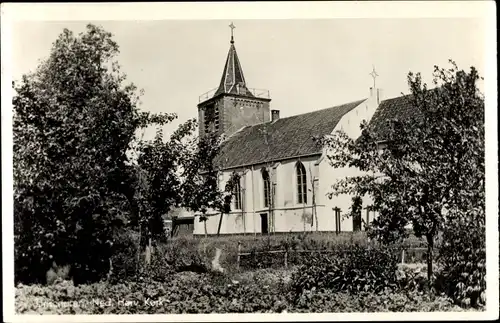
x: 430, y: 253
x: 220, y: 223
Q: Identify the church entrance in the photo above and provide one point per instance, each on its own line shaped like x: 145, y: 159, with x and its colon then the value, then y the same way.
x: 264, y: 223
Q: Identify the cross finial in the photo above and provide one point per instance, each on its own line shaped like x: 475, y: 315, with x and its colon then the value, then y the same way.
x: 374, y: 75
x: 232, y: 28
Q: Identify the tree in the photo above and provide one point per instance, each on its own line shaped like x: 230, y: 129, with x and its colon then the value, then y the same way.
x: 225, y: 198
x: 429, y: 170
x: 159, y: 167
x: 74, y: 120
x: 200, y: 190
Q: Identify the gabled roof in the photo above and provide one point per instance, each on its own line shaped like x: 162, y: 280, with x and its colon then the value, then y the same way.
x: 400, y: 108
x: 232, y: 80
x: 286, y: 138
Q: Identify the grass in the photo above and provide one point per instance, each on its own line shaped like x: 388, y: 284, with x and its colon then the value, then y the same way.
x: 204, y: 247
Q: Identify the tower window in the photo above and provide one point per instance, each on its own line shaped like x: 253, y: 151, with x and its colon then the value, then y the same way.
x: 216, y: 117
x: 301, y: 183
x: 211, y: 118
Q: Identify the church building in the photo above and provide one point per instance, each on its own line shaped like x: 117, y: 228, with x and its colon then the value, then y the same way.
x: 284, y: 176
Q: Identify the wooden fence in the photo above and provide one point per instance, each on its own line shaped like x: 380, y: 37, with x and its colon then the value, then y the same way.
x: 287, y: 252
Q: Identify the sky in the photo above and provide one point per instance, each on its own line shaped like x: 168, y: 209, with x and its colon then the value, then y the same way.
x: 307, y: 64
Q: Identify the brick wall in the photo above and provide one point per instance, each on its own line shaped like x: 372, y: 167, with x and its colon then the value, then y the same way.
x: 240, y: 112
x: 234, y: 113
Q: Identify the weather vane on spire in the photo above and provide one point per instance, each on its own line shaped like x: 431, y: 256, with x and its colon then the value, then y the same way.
x: 232, y: 28
x: 374, y: 75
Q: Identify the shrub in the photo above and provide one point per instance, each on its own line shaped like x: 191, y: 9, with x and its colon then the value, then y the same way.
x: 335, y: 302
x: 358, y: 268
x: 185, y: 255
x: 463, y: 260
x: 209, y: 293
x: 125, y: 260
x: 412, y: 279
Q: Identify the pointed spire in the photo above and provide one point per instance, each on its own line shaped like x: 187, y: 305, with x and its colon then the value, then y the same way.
x: 232, y: 80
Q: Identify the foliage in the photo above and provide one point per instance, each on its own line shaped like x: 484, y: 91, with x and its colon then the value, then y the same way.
x: 200, y: 190
x: 430, y: 164
x: 209, y: 293
x: 355, y: 212
x: 301, y: 245
x: 74, y: 119
x: 158, y: 171
x: 359, y: 268
x: 334, y: 302
x: 125, y: 259
x: 463, y: 260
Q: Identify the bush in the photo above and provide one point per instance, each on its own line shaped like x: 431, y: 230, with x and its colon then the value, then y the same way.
x: 185, y: 255
x: 294, y: 243
x: 129, y: 263
x: 463, y: 260
x: 355, y: 269
x: 210, y: 293
x: 125, y: 260
x: 335, y: 302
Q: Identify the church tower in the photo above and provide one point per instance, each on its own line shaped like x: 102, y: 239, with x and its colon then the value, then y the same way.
x: 232, y: 105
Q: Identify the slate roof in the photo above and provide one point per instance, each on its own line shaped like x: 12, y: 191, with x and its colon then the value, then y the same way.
x: 287, y: 137
x: 399, y: 108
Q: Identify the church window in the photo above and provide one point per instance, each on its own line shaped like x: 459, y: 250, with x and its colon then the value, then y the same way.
x: 237, y: 194
x: 301, y: 183
x: 267, y: 187
x: 337, y: 211
x: 369, y: 209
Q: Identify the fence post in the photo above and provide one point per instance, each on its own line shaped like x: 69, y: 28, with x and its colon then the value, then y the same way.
x: 403, y: 257
x: 239, y: 252
x: 286, y: 258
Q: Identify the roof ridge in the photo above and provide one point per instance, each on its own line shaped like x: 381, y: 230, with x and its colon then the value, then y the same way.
x: 286, y: 139
x: 305, y: 113
x: 397, y: 97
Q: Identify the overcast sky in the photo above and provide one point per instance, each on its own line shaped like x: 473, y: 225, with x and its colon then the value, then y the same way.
x: 306, y: 65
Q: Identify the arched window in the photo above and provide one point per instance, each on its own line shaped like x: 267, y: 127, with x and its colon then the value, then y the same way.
x: 267, y: 187
x: 301, y: 184
x: 237, y: 193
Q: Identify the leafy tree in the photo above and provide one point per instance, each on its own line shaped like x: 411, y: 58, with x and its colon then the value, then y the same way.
x: 429, y: 170
x: 159, y: 168
x: 74, y: 120
x: 225, y: 198
x: 200, y: 190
